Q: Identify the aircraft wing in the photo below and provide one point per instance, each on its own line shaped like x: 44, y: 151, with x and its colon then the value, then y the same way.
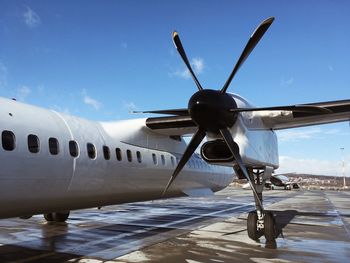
x: 291, y: 116
x: 277, y: 120
x: 173, y: 125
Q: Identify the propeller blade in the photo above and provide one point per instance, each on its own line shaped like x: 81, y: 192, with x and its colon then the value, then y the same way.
x: 177, y: 112
x: 295, y: 108
x: 253, y: 41
x: 225, y: 133
x: 192, y: 146
x: 180, y: 49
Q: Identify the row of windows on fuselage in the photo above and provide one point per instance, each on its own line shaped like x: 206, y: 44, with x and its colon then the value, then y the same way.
x: 9, y: 144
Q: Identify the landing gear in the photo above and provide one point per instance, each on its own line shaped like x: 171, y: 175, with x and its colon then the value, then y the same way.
x: 270, y: 231
x: 260, y: 222
x: 25, y: 217
x: 252, y: 227
x: 57, y: 216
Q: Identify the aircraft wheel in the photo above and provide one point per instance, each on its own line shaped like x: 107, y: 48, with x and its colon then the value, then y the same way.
x: 25, y: 217
x: 48, y: 217
x: 270, y: 231
x: 60, y: 216
x: 252, y: 230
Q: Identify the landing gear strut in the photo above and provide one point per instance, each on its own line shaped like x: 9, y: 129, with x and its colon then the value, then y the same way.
x: 57, y: 216
x: 260, y: 222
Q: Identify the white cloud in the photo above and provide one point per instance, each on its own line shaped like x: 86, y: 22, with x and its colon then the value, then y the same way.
x: 23, y: 92
x: 90, y: 101
x: 130, y: 106
x: 64, y: 110
x: 3, y: 75
x: 287, y: 82
x: 197, y: 66
x: 31, y: 18
x: 302, y: 134
x: 312, y: 166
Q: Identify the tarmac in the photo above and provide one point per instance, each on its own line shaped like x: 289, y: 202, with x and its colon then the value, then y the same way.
x: 314, y: 226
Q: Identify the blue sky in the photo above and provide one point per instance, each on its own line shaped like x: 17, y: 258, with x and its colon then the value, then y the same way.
x: 99, y: 59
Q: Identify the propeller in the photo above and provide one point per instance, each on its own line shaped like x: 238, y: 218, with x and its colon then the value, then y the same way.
x: 214, y: 111
x: 294, y: 108
x: 192, y: 146
x: 252, y: 42
x: 180, y: 49
x: 178, y: 112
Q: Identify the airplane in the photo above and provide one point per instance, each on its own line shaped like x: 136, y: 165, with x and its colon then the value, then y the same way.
x: 276, y: 181
x: 52, y: 163
x: 280, y: 180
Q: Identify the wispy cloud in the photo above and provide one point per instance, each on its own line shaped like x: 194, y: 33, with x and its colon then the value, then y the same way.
x: 311, y: 166
x: 90, y: 101
x: 31, y: 19
x: 130, y: 106
x: 23, y: 92
x: 197, y: 66
x: 3, y: 75
x: 287, y: 81
x: 302, y: 134
x: 64, y: 110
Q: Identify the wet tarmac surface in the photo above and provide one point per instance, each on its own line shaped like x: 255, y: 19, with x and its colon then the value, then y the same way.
x: 315, y: 227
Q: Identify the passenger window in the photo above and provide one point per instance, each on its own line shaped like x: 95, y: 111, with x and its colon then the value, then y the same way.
x: 118, y: 153
x: 53, y: 146
x: 172, y: 161
x: 91, y: 150
x: 163, y: 159
x: 106, y: 152
x: 154, y: 157
x: 33, y: 143
x: 8, y: 140
x: 73, y: 148
x: 138, y: 155
x: 129, y: 155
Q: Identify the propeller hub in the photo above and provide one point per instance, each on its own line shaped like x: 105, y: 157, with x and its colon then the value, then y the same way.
x: 210, y: 110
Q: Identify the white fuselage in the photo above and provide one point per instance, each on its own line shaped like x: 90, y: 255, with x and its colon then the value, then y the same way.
x: 32, y: 183
x: 42, y: 182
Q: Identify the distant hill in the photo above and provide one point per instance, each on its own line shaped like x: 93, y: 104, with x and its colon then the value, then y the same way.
x: 313, y: 181
x: 319, y: 180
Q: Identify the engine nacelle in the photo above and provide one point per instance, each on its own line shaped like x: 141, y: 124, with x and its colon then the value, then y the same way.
x: 216, y: 152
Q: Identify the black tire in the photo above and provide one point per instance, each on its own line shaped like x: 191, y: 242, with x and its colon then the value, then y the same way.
x: 25, y: 217
x: 60, y: 216
x: 270, y: 231
x: 48, y: 217
x: 253, y: 232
